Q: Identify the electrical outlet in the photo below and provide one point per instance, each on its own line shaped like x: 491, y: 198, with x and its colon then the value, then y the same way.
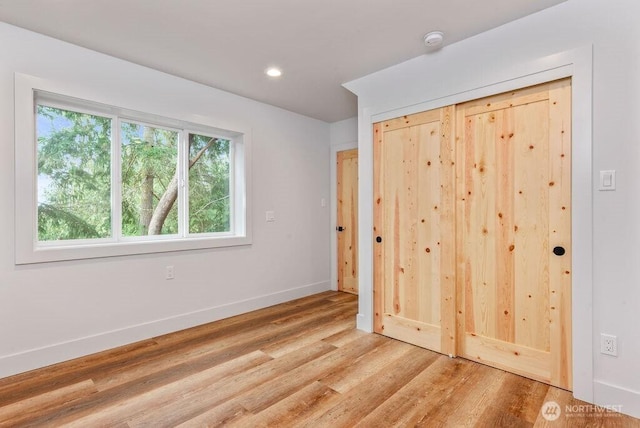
x: 169, y: 273
x: 609, y: 344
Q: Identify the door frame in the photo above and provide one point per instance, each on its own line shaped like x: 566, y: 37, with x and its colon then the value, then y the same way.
x: 577, y: 64
x: 333, y: 198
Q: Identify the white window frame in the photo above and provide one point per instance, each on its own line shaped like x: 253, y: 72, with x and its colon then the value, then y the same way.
x: 29, y: 92
x: 233, y: 220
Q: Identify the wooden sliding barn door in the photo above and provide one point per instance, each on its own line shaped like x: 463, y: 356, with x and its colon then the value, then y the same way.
x: 514, y: 232
x: 473, y: 257
x: 414, y: 239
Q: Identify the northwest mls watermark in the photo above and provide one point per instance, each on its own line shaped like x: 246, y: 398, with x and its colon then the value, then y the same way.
x: 552, y: 411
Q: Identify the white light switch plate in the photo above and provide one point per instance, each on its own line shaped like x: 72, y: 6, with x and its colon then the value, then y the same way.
x: 608, y: 180
x: 270, y: 216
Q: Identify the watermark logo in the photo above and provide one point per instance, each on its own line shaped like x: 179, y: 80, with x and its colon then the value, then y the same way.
x: 592, y: 411
x: 551, y: 410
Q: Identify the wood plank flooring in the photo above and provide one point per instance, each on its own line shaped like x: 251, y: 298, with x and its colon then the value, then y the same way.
x: 301, y: 363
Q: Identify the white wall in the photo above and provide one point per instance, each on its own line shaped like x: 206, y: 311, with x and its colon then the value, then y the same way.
x: 344, y: 132
x: 614, y: 269
x: 55, y: 311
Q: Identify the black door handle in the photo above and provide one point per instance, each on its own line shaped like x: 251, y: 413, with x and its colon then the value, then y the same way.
x: 340, y: 228
x: 559, y: 251
x: 378, y: 239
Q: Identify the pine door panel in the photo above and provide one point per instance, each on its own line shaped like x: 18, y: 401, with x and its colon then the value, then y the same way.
x: 476, y: 275
x: 514, y: 194
x: 347, y: 220
x: 414, y: 260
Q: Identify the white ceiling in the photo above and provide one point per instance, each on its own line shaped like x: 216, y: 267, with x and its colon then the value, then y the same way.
x: 227, y: 44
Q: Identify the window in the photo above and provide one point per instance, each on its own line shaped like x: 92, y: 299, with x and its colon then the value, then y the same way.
x: 74, y: 175
x: 111, y: 181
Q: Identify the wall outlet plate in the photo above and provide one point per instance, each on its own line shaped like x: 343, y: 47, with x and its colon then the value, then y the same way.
x: 608, y: 344
x: 169, y: 272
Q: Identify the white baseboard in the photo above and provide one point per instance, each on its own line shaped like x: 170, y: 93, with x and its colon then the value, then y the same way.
x: 361, y: 324
x: 605, y: 394
x: 47, y: 355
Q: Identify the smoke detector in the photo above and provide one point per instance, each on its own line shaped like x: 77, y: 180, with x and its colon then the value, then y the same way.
x: 433, y: 39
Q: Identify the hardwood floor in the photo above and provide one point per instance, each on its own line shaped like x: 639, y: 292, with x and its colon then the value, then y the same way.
x: 301, y: 363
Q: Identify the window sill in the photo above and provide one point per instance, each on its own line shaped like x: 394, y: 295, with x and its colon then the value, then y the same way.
x: 46, y: 254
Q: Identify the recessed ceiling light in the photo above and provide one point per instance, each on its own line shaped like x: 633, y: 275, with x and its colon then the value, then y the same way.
x: 433, y: 38
x: 273, y: 72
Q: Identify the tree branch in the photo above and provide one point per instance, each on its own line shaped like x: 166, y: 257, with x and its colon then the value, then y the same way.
x: 201, y: 152
x: 171, y: 194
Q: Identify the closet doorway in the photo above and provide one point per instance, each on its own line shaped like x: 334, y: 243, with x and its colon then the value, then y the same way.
x: 472, y: 230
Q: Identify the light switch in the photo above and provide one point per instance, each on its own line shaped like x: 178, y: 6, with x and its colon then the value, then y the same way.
x: 608, y: 180
x: 270, y: 216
